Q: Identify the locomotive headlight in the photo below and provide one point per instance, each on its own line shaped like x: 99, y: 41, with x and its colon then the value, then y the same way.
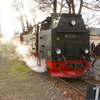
x: 58, y: 51
x: 73, y: 22
x: 86, y: 50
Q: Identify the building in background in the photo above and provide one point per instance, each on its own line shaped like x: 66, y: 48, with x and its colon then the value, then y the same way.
x: 94, y: 35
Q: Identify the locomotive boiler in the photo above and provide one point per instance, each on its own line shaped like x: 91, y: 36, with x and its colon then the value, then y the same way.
x: 63, y: 41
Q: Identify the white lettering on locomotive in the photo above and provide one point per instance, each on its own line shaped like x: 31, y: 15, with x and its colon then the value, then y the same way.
x: 72, y: 35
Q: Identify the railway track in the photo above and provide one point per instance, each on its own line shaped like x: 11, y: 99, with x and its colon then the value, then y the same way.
x: 80, y: 85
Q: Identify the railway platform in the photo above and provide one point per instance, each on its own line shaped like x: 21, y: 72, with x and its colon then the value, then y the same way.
x: 95, y: 71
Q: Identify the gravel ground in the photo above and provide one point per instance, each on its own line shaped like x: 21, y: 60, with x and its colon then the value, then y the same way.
x: 19, y: 83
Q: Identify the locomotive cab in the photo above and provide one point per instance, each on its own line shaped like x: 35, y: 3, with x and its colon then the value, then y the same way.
x: 63, y: 41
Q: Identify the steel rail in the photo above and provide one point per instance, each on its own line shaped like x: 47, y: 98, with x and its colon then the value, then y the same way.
x: 85, y: 81
x: 76, y: 89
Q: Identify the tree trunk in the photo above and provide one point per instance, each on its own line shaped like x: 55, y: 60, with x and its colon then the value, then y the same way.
x: 73, y: 7
x: 81, y: 4
x: 55, y: 6
x: 68, y: 2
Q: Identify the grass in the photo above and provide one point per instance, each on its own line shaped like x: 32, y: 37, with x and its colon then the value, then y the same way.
x: 7, y: 49
x: 18, y: 69
x: 1, y: 51
x: 16, y: 82
x: 15, y: 79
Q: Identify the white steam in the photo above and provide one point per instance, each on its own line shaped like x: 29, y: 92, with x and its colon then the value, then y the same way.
x: 30, y: 60
x: 6, y: 38
x: 30, y: 8
x: 23, y: 52
x: 32, y: 63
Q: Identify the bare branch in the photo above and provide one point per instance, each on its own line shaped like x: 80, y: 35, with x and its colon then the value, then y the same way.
x: 68, y: 3
x: 92, y: 6
x: 73, y: 6
x: 81, y: 4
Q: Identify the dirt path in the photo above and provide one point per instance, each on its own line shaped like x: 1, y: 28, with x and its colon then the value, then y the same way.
x: 18, y: 82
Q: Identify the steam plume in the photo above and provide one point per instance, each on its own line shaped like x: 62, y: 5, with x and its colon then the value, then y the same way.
x: 31, y: 61
x: 22, y: 49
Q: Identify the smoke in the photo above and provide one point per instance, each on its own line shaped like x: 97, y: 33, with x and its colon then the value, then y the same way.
x: 33, y: 9
x: 23, y: 52
x: 30, y: 60
x: 6, y: 38
x: 32, y: 63
x: 9, y: 37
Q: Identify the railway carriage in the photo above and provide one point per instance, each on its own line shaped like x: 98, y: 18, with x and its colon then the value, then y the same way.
x: 63, y: 41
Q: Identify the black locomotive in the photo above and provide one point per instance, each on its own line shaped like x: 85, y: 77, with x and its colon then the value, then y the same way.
x: 63, y: 41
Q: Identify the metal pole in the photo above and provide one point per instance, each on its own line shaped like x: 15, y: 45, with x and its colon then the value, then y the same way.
x: 97, y: 88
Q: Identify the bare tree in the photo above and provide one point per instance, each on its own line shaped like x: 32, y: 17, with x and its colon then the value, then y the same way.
x: 81, y: 4
x: 68, y: 4
x: 18, y: 7
x: 52, y: 6
x: 45, y: 5
x: 78, y: 7
x: 91, y: 13
x: 71, y: 5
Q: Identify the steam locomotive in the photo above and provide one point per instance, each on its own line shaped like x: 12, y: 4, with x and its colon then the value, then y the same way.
x: 63, y: 41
